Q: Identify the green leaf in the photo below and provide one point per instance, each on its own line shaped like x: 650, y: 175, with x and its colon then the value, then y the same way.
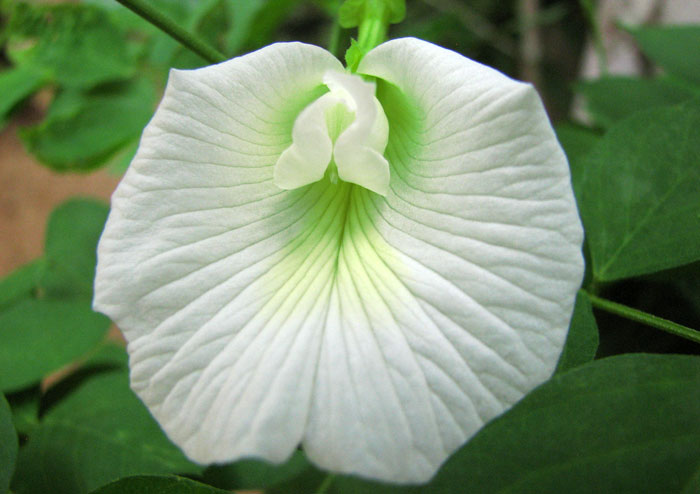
x: 582, y: 341
x: 639, y: 198
x: 577, y: 142
x: 17, y: 84
x: 121, y: 161
x: 611, y: 99
x: 8, y: 445
x: 25, y: 409
x: 618, y: 425
x: 40, y: 336
x: 96, y: 434
x: 255, y: 474
x: 83, y: 130
x: 110, y: 356
x: 672, y: 47
x: 72, y: 233
x: 312, y: 480
x: 21, y: 283
x: 157, y: 485
x: 268, y: 20
x: 353, y: 55
x: 77, y: 44
x: 593, y: 430
x: 693, y: 485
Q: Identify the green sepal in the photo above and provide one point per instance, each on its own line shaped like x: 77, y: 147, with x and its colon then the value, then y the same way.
x: 353, y: 55
x: 372, y: 19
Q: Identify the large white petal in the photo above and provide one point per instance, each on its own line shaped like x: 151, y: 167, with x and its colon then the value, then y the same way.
x: 454, y: 293
x: 218, y: 278
x: 380, y: 331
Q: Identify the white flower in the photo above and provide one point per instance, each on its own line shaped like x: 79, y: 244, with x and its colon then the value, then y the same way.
x: 294, y: 261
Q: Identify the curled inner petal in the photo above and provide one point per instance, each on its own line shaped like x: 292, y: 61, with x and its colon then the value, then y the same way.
x: 345, y: 128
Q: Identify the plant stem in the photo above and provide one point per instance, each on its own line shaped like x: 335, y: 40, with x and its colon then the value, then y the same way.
x: 598, y: 41
x: 371, y: 32
x: 645, y: 318
x: 170, y: 27
x: 334, y: 39
x: 530, y: 43
x: 476, y: 23
x: 325, y: 484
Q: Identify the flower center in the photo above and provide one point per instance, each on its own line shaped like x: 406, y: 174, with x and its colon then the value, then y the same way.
x: 345, y: 128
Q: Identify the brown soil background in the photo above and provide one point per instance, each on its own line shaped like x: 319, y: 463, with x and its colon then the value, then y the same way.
x: 29, y: 192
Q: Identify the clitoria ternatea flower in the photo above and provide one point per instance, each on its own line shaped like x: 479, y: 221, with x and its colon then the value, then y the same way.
x: 296, y: 259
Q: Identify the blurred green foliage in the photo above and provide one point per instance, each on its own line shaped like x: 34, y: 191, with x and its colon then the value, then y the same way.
x: 83, y: 129
x: 674, y: 48
x: 98, y: 431
x: 95, y: 49
x: 46, y: 320
x: 76, y: 46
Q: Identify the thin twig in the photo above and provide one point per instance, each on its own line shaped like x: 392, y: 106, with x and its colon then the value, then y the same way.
x: 334, y: 38
x: 645, y: 318
x: 530, y: 43
x: 170, y: 27
x: 598, y: 42
x: 479, y: 25
x: 326, y: 484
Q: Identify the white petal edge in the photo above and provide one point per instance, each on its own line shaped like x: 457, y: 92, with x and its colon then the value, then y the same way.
x: 454, y: 293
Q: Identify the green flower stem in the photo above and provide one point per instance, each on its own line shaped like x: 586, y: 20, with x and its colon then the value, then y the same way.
x: 334, y: 38
x: 169, y: 26
x: 334, y: 43
x: 645, y: 318
x: 372, y: 32
x: 372, y: 19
